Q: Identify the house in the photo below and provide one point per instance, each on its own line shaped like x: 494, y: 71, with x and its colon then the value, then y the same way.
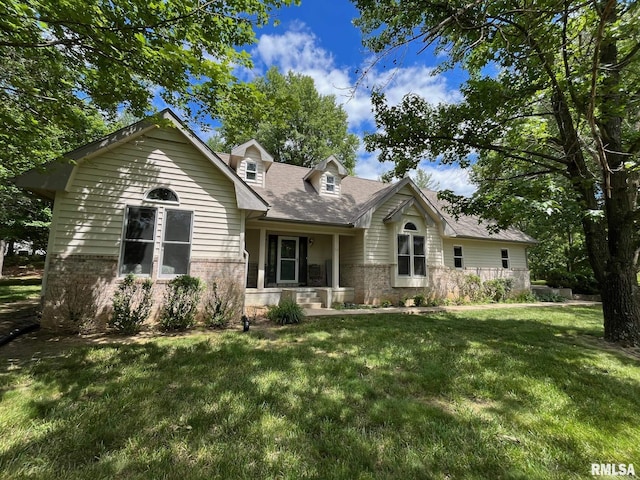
x: 152, y: 199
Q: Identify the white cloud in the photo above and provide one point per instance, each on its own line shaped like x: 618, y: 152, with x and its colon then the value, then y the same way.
x: 450, y: 177
x: 298, y: 50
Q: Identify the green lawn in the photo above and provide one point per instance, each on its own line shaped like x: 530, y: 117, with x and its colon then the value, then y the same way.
x: 511, y: 393
x: 18, y: 289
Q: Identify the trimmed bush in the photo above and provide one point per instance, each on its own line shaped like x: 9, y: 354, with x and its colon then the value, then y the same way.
x: 286, y: 312
x: 181, y: 303
x: 498, y: 290
x: 131, y: 304
x: 419, y: 300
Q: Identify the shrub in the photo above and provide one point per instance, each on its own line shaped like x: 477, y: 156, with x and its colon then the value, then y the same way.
x: 74, y: 302
x: 181, y: 303
x: 287, y: 311
x: 525, y: 296
x: 222, y: 303
x: 131, y: 304
x: 386, y: 303
x: 471, y: 287
x: 498, y: 289
x: 550, y: 297
x: 419, y: 300
x: 559, y: 278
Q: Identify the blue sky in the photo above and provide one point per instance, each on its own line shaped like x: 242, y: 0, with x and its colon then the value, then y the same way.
x: 318, y: 39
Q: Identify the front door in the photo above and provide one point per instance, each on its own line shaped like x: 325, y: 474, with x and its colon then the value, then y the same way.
x: 287, y: 259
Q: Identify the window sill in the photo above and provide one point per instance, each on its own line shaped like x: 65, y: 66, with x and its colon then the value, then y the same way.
x: 403, y: 282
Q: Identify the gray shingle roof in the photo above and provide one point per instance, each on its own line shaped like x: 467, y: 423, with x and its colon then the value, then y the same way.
x: 292, y: 199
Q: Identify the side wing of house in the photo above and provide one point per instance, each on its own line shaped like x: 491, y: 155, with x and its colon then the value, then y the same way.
x: 153, y: 204
x: 408, y: 245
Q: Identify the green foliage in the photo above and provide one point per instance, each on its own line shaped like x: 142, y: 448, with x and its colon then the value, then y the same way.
x: 181, y: 303
x: 223, y: 302
x: 498, y: 289
x: 131, y: 304
x: 292, y: 121
x: 287, y: 311
x: 577, y: 282
x: 419, y: 300
x: 550, y: 298
x: 471, y: 287
x: 425, y: 180
x: 66, y: 64
x: 524, y: 297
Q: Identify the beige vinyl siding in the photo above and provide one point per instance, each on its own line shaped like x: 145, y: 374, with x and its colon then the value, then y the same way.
x: 90, y: 216
x: 352, y: 249
x: 379, y: 238
x: 252, y: 155
x: 485, y: 254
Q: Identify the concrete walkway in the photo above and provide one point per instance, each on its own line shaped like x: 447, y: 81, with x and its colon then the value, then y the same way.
x: 327, y: 312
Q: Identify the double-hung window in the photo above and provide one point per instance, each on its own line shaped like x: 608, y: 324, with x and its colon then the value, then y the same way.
x: 252, y: 170
x: 504, y: 253
x: 331, y: 183
x: 138, y: 242
x: 458, y: 258
x: 412, y: 260
x: 176, y: 244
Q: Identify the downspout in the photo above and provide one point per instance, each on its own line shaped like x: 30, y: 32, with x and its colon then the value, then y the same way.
x: 245, y: 255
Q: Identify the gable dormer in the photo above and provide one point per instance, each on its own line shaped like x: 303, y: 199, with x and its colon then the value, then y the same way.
x: 251, y: 162
x: 326, y: 177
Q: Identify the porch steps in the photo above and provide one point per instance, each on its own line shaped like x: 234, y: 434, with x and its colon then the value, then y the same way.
x: 309, y: 299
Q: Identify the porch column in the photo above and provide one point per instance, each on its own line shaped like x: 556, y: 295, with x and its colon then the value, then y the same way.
x: 335, y: 268
x: 262, y: 255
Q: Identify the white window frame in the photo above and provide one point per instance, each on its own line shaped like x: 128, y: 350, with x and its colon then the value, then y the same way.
x: 506, y: 261
x: 251, y: 174
x: 411, y: 232
x: 330, y: 184
x: 124, y: 239
x: 460, y: 257
x: 164, y: 242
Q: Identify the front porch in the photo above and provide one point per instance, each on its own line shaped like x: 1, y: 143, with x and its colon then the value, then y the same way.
x: 298, y: 262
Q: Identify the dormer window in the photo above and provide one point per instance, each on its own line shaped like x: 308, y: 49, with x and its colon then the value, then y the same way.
x: 331, y: 183
x: 252, y: 171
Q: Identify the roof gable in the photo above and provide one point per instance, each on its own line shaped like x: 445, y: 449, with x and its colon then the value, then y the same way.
x: 57, y: 175
x: 324, y: 165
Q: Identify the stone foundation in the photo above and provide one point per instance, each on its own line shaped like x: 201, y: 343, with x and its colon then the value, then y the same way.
x: 372, y: 283
x: 83, y: 286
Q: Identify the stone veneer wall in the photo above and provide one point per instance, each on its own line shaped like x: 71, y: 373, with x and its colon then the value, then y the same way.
x: 75, y: 281
x: 372, y: 283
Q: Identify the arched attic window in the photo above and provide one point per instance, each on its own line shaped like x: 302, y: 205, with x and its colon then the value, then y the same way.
x: 162, y: 194
x: 410, y: 226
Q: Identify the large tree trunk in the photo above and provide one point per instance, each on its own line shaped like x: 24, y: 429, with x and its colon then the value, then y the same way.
x: 621, y: 307
x: 619, y: 285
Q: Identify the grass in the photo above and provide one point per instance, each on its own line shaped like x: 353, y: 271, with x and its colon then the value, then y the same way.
x: 18, y: 289
x: 509, y: 393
